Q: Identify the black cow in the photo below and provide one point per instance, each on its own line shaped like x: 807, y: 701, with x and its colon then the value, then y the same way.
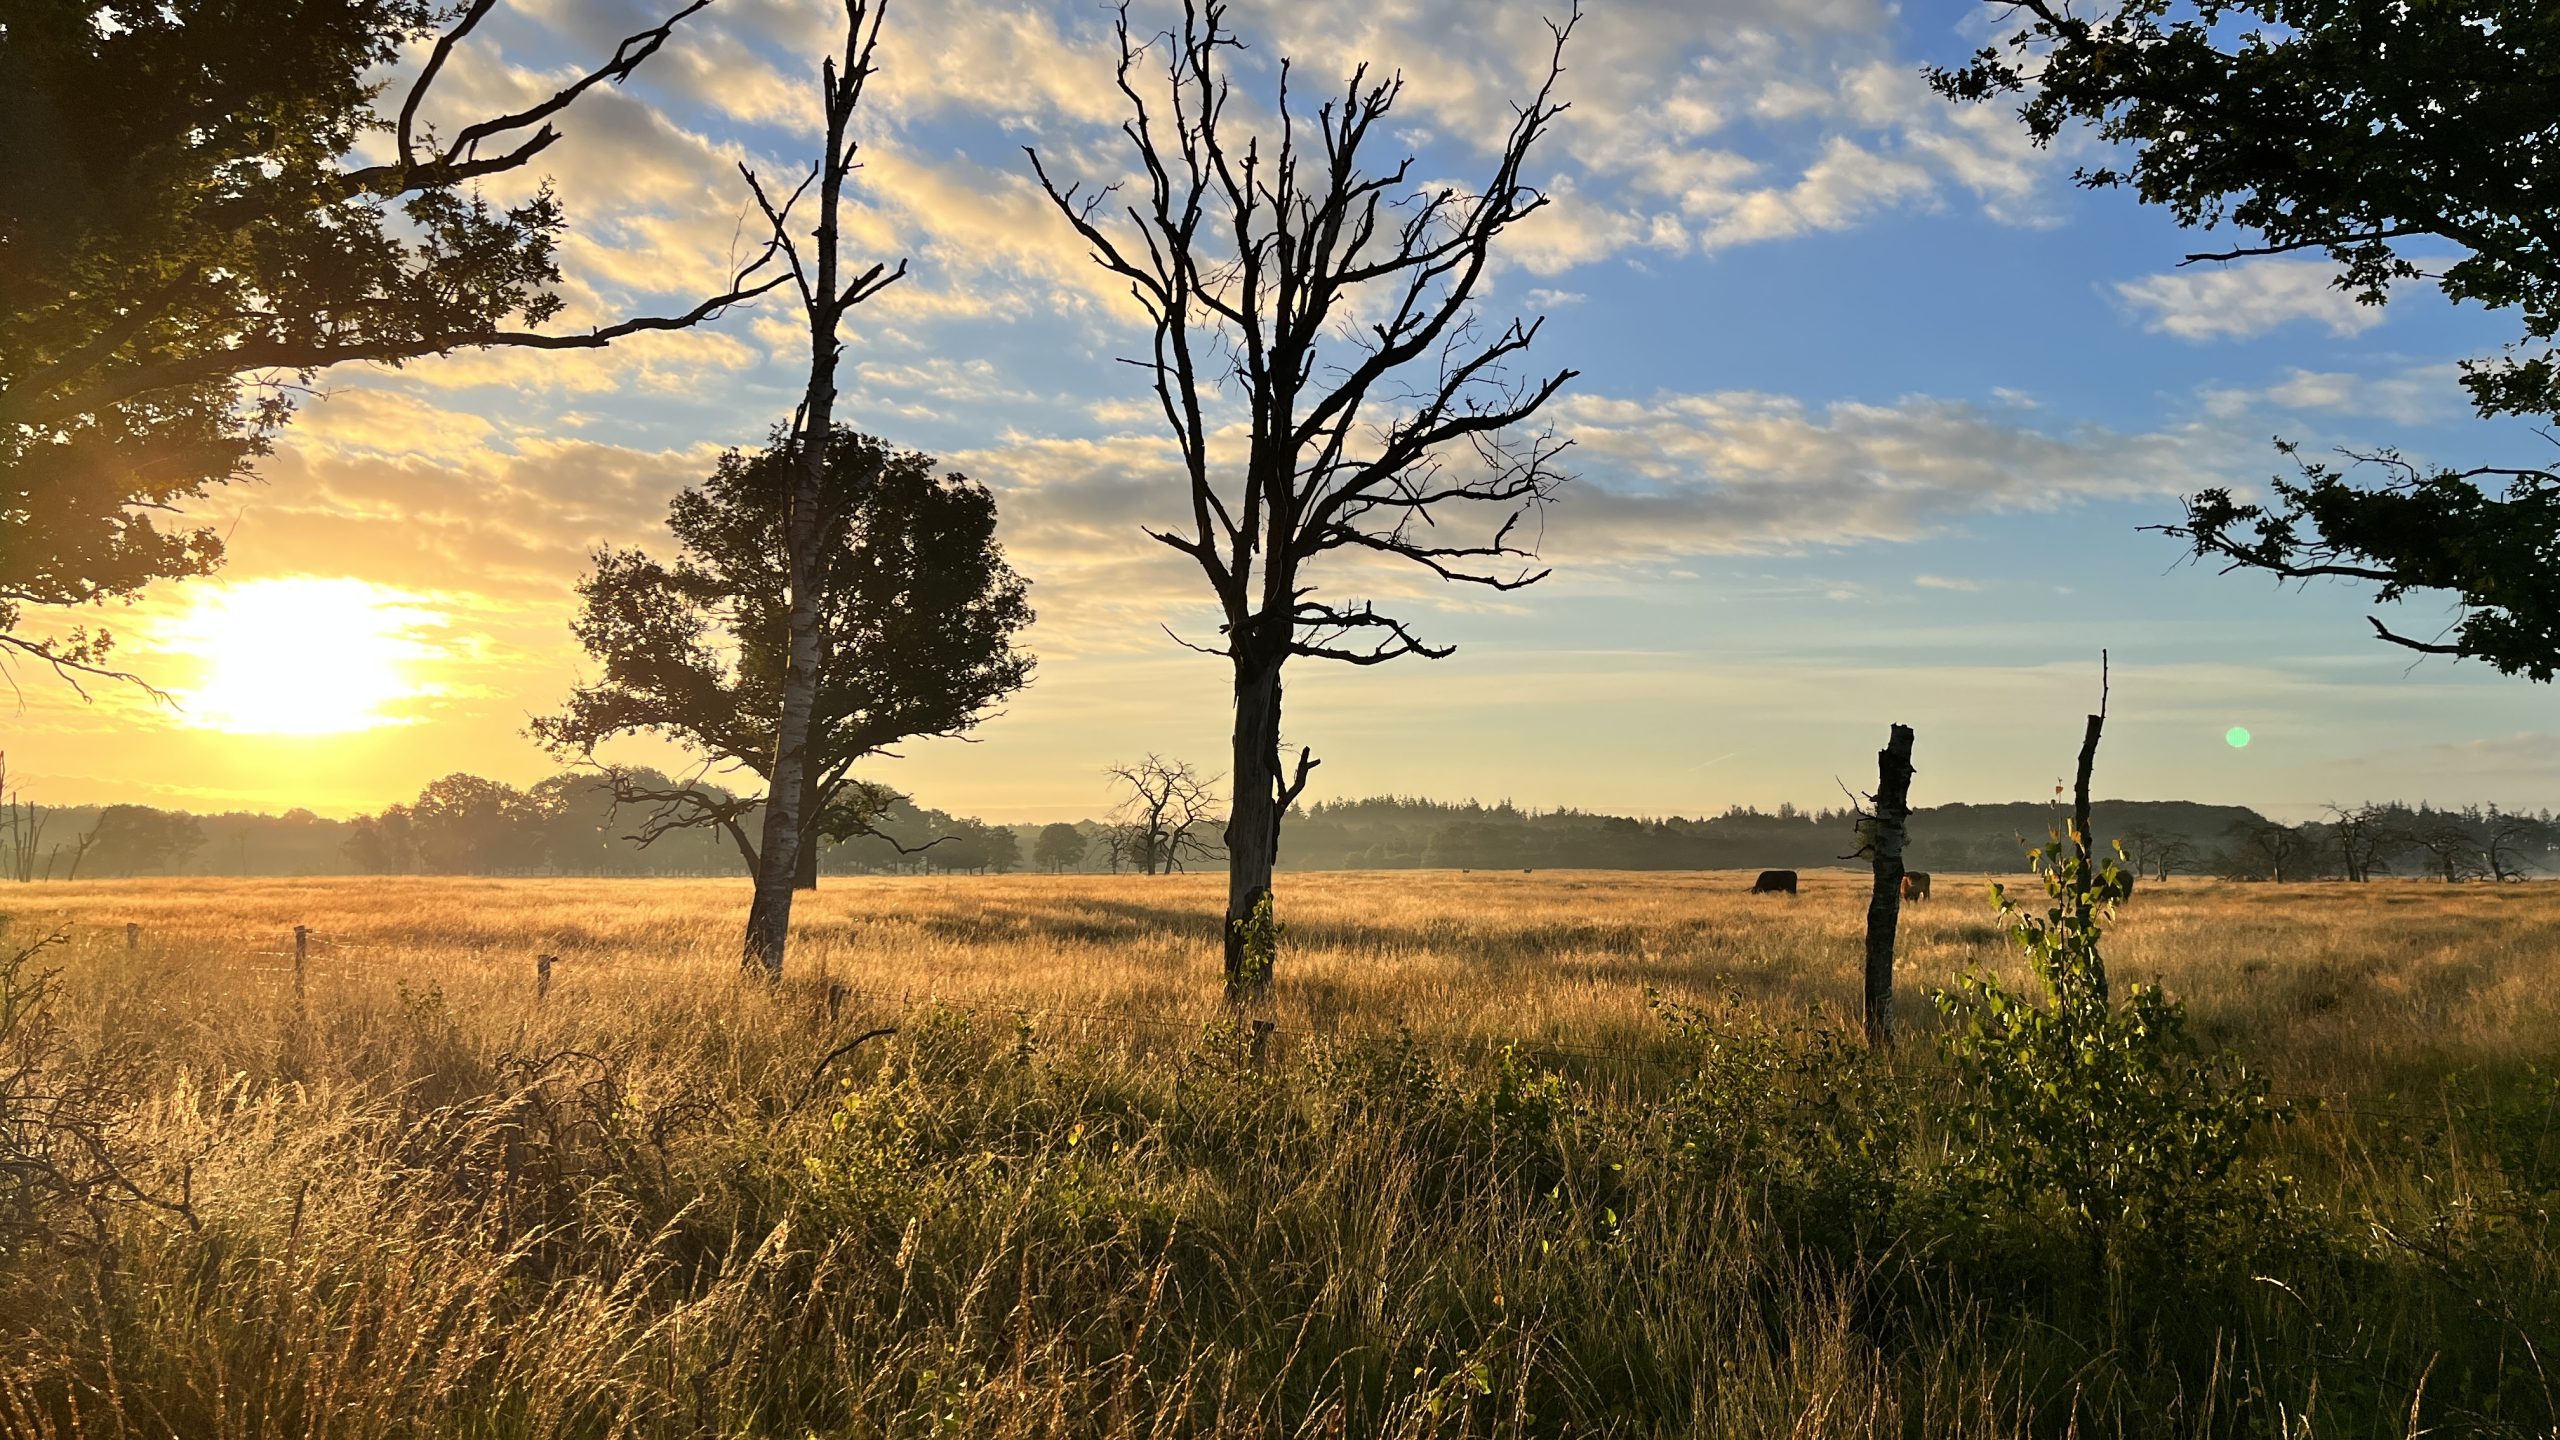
x: 1915, y: 885
x: 1775, y: 882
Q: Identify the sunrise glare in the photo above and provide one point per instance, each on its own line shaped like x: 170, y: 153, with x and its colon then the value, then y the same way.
x: 302, y: 656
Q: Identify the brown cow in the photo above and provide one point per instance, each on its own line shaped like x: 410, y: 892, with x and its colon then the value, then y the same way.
x: 1775, y: 882
x: 1915, y: 885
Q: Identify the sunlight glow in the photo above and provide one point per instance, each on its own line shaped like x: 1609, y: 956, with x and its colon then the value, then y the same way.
x: 303, y: 656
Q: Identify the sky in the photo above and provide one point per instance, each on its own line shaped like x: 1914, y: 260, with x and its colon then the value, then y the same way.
x: 1873, y: 405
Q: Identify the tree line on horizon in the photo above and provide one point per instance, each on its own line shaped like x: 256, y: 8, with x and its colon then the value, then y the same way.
x: 571, y: 824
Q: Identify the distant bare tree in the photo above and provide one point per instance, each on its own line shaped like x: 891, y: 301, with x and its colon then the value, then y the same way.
x: 2266, y: 850
x: 2514, y: 845
x: 21, y: 829
x: 1337, y: 301
x: 2170, y: 853
x: 1164, y: 818
x: 2453, y: 845
x: 2361, y: 835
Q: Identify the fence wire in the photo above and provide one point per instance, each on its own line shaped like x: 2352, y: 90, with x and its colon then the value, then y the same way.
x: 1664, y: 1060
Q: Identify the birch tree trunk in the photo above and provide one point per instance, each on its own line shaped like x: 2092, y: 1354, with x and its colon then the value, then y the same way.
x: 825, y: 299
x: 806, y: 876
x: 778, y: 868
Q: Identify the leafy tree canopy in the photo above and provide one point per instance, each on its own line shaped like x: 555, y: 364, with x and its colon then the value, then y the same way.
x: 918, y: 613
x: 187, y: 235
x: 2354, y: 130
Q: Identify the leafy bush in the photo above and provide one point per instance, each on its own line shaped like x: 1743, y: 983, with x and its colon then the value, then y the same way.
x: 2107, y: 1118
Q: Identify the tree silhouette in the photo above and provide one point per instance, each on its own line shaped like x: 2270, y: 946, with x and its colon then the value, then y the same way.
x: 2347, y: 129
x: 136, y: 840
x: 185, y: 241
x: 1159, y: 823
x: 1060, y: 847
x: 1329, y: 304
x: 916, y: 615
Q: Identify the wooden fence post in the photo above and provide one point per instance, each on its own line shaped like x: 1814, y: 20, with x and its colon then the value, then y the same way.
x: 1262, y: 1044
x: 542, y: 976
x: 301, y: 957
x: 132, y: 935
x: 1888, y: 829
x: 837, y: 993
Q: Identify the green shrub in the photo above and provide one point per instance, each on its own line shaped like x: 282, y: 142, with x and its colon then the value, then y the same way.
x: 2105, y: 1118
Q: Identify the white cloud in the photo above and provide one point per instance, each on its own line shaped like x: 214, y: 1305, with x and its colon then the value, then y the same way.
x: 1742, y: 472
x: 2245, y: 299
x: 2415, y: 396
x: 1945, y: 582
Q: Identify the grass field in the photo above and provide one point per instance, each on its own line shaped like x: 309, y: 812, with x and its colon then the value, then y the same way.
x: 1061, y: 1201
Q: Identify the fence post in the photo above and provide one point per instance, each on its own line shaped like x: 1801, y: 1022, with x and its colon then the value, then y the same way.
x: 542, y: 976
x: 836, y: 996
x: 132, y: 935
x: 1262, y: 1044
x: 301, y: 957
x: 1888, y: 828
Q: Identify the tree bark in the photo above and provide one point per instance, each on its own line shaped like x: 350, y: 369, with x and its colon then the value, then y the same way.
x: 805, y: 874
x: 1253, y: 821
x: 2081, y: 838
x: 1884, y: 850
x: 769, y: 918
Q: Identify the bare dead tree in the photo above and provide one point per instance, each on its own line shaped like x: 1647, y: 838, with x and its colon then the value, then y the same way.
x: 2097, y: 885
x: 21, y: 829
x: 1883, y: 833
x: 2360, y: 834
x: 1163, y: 820
x: 829, y: 290
x: 1328, y: 308
x: 2512, y: 845
x: 2454, y: 849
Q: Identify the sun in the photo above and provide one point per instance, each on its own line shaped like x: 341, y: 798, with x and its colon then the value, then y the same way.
x: 302, y: 656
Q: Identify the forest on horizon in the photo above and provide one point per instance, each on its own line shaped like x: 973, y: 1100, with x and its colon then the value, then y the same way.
x: 568, y: 825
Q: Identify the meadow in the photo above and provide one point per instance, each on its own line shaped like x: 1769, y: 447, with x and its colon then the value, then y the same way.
x: 1570, y: 1153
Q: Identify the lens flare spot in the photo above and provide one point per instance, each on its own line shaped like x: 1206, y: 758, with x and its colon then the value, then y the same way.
x: 2237, y: 737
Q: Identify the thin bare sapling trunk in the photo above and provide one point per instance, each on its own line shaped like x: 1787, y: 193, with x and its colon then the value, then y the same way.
x: 1888, y: 829
x: 2081, y: 840
x: 1328, y: 307
x: 825, y: 298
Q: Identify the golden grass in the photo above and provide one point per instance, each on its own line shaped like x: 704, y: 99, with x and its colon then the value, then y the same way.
x: 423, y: 1203
x: 2330, y: 987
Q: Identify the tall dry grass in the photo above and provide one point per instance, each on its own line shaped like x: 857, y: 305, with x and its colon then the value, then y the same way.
x: 1063, y: 1201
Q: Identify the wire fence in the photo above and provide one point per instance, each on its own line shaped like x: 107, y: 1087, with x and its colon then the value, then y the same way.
x: 1666, y: 1060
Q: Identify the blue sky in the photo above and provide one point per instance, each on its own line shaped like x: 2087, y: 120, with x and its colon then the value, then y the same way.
x: 1872, y: 405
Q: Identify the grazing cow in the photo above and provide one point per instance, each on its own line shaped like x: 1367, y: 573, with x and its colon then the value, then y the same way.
x: 2118, y: 891
x: 1915, y: 885
x: 1775, y: 882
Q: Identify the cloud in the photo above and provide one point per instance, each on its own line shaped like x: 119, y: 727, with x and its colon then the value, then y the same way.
x: 2417, y: 395
x: 2245, y: 299
x: 1942, y: 582
x: 1732, y: 472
